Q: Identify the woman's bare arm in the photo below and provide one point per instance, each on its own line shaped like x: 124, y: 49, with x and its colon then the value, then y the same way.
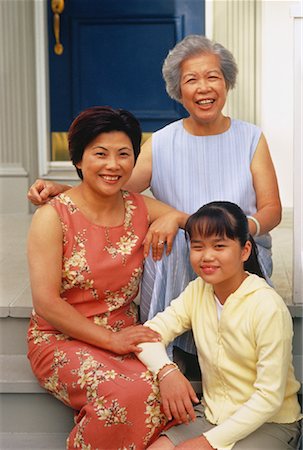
x: 45, y: 265
x: 142, y: 173
x: 266, y: 187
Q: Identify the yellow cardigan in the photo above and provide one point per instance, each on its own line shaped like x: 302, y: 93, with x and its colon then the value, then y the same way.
x: 245, y: 358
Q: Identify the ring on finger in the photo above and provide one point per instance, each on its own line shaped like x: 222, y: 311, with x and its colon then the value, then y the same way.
x: 160, y: 242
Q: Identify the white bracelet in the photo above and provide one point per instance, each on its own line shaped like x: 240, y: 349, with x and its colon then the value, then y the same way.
x: 257, y: 223
x: 167, y: 373
x: 169, y: 363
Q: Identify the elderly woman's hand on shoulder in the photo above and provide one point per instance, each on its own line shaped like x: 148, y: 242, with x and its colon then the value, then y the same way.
x: 42, y: 190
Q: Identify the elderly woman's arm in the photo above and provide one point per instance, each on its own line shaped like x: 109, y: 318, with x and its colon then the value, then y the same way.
x: 142, y: 173
x: 45, y: 264
x: 267, y: 192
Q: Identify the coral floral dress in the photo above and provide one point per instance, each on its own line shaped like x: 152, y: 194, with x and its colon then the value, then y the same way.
x: 115, y: 397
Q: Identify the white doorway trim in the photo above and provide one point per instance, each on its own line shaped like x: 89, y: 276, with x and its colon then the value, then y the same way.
x: 47, y: 169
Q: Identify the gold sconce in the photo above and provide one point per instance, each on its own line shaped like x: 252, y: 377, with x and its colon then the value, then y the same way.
x: 57, y: 8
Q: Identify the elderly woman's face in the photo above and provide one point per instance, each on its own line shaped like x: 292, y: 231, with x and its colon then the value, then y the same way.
x: 203, y: 87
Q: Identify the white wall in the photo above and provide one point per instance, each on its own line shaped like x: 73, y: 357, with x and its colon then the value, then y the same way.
x: 276, y: 90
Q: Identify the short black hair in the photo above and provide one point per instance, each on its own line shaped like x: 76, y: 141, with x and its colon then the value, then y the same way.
x: 101, y: 119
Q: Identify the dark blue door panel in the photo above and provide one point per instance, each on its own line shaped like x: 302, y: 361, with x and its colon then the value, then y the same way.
x: 113, y: 54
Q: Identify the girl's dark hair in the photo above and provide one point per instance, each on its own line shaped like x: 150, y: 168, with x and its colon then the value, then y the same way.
x: 224, y: 219
x: 101, y: 119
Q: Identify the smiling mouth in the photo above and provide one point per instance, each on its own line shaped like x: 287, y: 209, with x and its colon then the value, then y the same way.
x: 208, y: 270
x: 110, y: 178
x: 205, y: 102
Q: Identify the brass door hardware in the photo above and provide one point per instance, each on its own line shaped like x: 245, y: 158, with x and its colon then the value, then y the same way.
x: 57, y: 8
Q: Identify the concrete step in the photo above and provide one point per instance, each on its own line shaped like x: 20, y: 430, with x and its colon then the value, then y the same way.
x: 33, y: 441
x: 16, y: 376
x: 26, y: 407
x: 34, y: 413
x: 13, y: 332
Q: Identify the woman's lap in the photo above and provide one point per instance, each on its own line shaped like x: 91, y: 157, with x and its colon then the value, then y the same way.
x: 113, y: 394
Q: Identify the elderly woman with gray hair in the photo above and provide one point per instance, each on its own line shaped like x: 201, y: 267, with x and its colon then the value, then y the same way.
x: 204, y: 157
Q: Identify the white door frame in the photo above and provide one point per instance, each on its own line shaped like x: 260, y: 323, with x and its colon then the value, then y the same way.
x: 47, y: 169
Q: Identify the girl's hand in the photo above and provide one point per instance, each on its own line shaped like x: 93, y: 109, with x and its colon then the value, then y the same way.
x: 161, y: 234
x: 127, y: 340
x: 177, y: 396
x: 40, y: 192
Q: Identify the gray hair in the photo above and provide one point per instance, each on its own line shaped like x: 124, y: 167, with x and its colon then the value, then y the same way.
x: 192, y: 45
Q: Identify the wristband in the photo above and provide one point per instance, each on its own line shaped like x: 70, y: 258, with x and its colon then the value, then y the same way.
x: 154, y: 356
x: 167, y: 373
x: 257, y: 223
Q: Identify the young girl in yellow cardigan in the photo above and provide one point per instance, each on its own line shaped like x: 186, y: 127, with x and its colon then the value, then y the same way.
x: 243, y: 333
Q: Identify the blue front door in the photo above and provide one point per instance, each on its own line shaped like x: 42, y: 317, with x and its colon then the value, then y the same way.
x: 113, y: 51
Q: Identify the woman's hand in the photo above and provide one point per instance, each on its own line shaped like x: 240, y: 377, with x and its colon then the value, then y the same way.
x: 160, y: 235
x: 177, y: 396
x: 165, y: 222
x: 40, y: 192
x: 127, y: 340
x: 162, y: 232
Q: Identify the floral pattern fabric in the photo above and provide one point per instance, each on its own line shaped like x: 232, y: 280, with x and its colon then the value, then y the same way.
x: 115, y: 398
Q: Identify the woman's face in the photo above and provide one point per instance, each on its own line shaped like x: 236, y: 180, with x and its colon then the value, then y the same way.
x: 107, y: 162
x: 203, y: 87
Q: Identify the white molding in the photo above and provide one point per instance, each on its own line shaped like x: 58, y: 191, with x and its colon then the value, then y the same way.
x: 209, y: 18
x: 234, y: 26
x: 62, y: 170
x: 297, y: 13
x: 62, y: 165
x: 43, y: 123
x: 12, y: 170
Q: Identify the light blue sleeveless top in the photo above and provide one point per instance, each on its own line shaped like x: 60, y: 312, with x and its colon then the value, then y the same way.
x: 187, y: 172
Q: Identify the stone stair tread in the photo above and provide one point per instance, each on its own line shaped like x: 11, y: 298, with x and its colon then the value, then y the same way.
x: 32, y: 441
x: 16, y: 375
x: 22, y: 306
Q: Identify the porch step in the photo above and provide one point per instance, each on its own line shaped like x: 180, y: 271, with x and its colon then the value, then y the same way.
x: 32, y: 441
x: 13, y: 332
x: 16, y: 375
x: 34, y: 413
x: 25, y: 406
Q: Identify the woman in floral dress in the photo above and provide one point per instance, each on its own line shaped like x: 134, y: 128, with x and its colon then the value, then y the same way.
x: 86, y: 249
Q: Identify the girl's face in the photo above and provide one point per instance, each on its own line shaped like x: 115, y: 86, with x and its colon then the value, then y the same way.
x: 203, y: 87
x: 107, y: 162
x: 219, y: 260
